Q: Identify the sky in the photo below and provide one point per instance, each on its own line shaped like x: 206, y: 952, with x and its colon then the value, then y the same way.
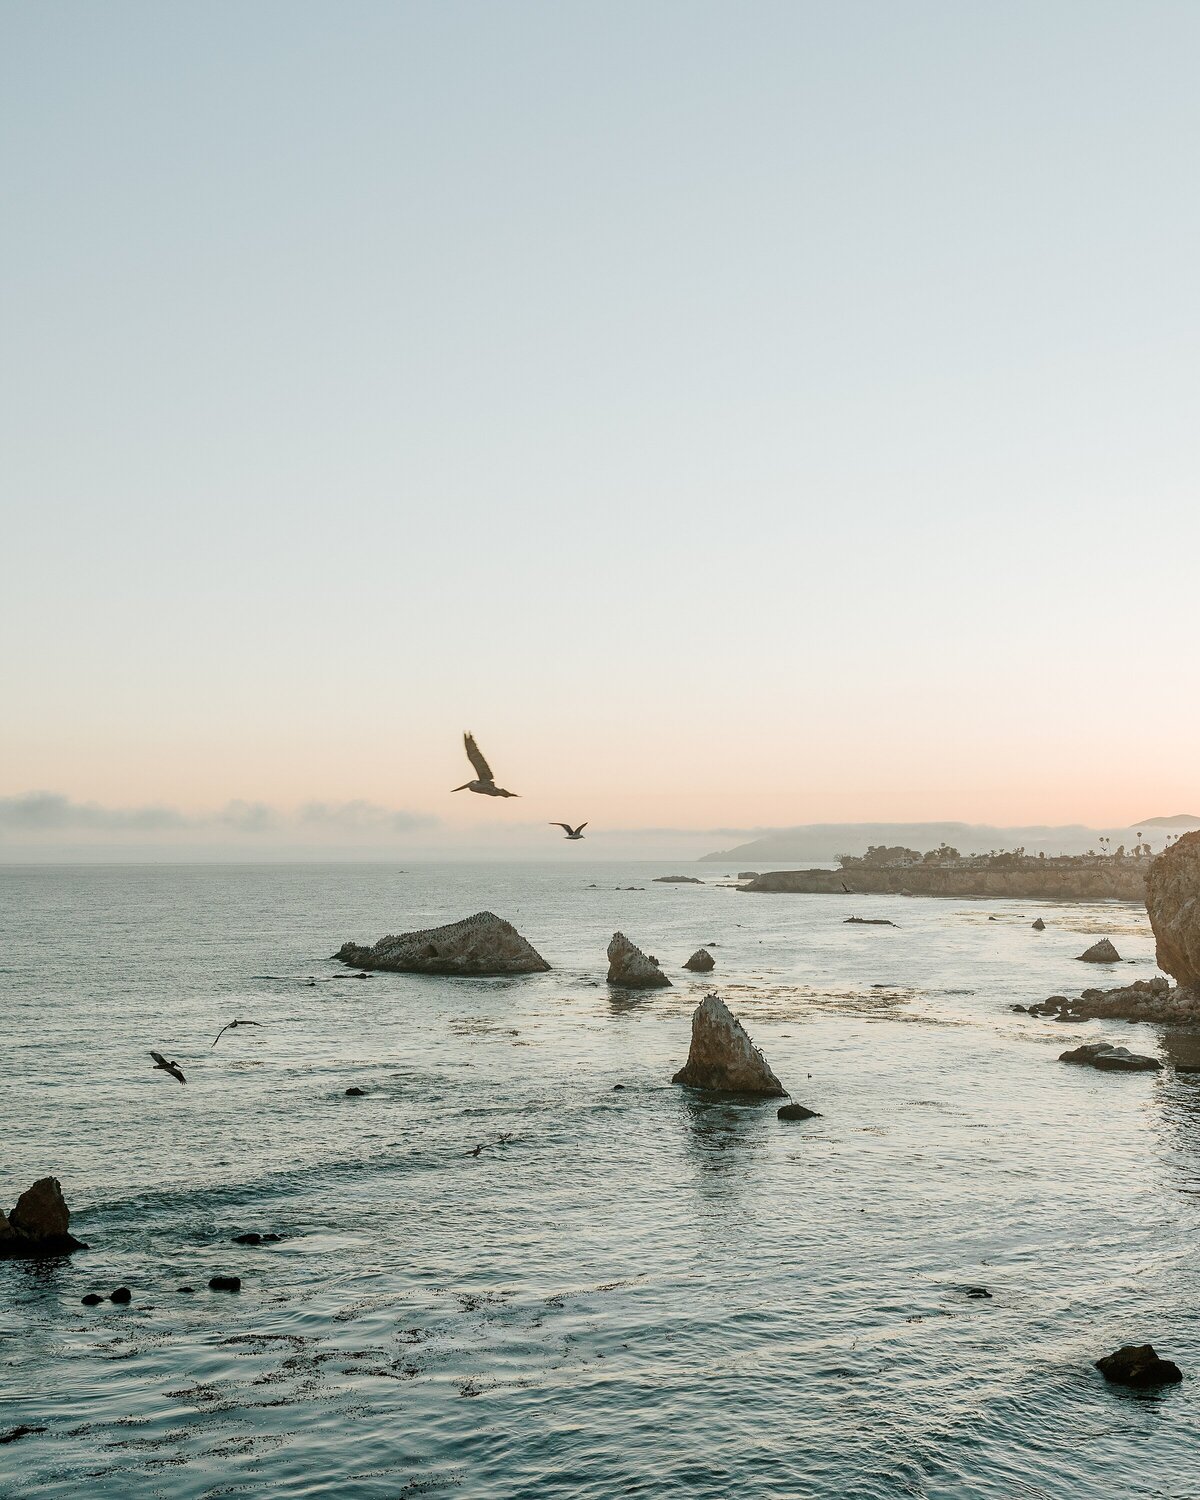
x: 736, y: 415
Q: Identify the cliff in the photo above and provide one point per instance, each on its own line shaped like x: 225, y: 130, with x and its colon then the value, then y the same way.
x: 1041, y: 881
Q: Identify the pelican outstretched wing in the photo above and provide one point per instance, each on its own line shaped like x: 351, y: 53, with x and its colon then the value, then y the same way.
x: 475, y: 756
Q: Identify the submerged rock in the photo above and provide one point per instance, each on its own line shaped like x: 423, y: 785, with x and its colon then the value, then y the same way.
x: 871, y: 921
x: 632, y: 969
x: 722, y: 1058
x: 1102, y: 952
x: 1138, y: 1365
x: 14, y: 1434
x: 225, y: 1283
x: 480, y: 945
x: 39, y: 1224
x: 701, y: 962
x: 1173, y: 902
x: 1110, y: 1059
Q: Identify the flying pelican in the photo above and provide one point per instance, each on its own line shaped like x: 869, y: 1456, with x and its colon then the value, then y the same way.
x: 572, y: 833
x: 230, y: 1027
x: 168, y: 1067
x: 485, y: 782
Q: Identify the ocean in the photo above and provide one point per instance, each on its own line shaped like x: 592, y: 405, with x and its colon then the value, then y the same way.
x: 623, y: 1292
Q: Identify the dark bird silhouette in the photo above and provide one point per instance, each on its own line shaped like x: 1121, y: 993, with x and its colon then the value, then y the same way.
x: 572, y: 833
x: 484, y: 782
x: 230, y: 1027
x: 168, y: 1067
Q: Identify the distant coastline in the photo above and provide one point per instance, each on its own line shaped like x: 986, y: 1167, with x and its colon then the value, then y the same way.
x: 1028, y: 879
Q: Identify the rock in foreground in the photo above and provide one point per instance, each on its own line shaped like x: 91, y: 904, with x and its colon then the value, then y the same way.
x: 796, y: 1111
x: 701, y: 962
x: 480, y: 945
x: 1102, y: 952
x: 39, y: 1225
x: 1110, y: 1059
x: 1138, y: 1365
x: 722, y: 1058
x: 1173, y: 902
x: 632, y: 969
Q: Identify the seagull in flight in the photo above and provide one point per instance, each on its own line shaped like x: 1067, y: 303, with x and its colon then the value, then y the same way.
x: 168, y: 1067
x: 484, y: 782
x: 230, y: 1027
x: 572, y: 833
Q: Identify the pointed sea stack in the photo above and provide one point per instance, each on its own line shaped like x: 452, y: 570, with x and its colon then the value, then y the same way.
x: 701, y: 962
x: 1102, y: 952
x: 39, y: 1225
x: 632, y: 969
x: 722, y: 1058
x: 482, y: 945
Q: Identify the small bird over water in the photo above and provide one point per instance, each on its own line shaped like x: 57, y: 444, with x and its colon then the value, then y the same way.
x: 229, y: 1027
x: 572, y: 833
x: 168, y: 1067
x: 485, y: 782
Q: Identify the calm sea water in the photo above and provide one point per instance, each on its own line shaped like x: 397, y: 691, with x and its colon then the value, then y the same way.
x: 630, y: 1292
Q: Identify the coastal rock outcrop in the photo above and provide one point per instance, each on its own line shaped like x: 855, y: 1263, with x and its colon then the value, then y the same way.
x: 1110, y: 1059
x: 632, y: 969
x: 1173, y: 902
x: 1139, y: 1365
x: 722, y: 1058
x: 678, y: 880
x: 1038, y: 925
x: 1152, y: 1000
x: 1102, y: 952
x: 480, y: 945
x: 39, y: 1224
x: 701, y: 962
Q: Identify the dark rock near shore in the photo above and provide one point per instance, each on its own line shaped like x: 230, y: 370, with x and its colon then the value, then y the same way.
x: 354, y: 1092
x: 1138, y: 1365
x: 190, y: 1290
x: 632, y: 969
x: 1110, y: 1059
x: 1102, y: 952
x: 796, y: 1111
x: 482, y: 945
x: 677, y: 880
x: 93, y: 1299
x: 869, y: 922
x: 39, y: 1225
x: 254, y: 1238
x: 224, y: 1283
x: 121, y: 1296
x: 1038, y: 925
x: 722, y: 1059
x: 701, y: 962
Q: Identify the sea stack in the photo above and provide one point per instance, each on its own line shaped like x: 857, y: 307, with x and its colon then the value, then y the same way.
x: 1173, y: 902
x: 701, y: 962
x: 1102, y: 952
x: 722, y: 1058
x: 484, y: 944
x: 40, y: 1223
x: 632, y: 969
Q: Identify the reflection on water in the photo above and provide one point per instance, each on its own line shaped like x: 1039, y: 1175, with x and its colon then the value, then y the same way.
x: 501, y: 1276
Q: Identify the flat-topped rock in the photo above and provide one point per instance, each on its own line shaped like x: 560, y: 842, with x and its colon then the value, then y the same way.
x: 1173, y: 903
x: 722, y: 1059
x: 701, y: 962
x: 1139, y: 1365
x: 480, y: 945
x: 678, y: 880
x: 1102, y: 952
x: 40, y: 1223
x: 632, y: 969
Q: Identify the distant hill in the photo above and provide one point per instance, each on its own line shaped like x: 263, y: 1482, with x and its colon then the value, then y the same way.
x: 1180, y: 820
x: 824, y: 842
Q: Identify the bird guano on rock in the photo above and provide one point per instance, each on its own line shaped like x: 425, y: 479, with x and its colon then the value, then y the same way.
x: 484, y: 782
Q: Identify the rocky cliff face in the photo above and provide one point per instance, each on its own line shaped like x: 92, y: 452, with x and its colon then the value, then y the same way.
x: 479, y: 945
x: 1173, y: 902
x: 722, y: 1058
x: 632, y: 969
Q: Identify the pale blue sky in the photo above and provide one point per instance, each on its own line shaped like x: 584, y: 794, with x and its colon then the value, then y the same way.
x: 737, y: 414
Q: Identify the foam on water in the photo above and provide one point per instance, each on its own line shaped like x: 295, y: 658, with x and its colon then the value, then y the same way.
x: 629, y: 1292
